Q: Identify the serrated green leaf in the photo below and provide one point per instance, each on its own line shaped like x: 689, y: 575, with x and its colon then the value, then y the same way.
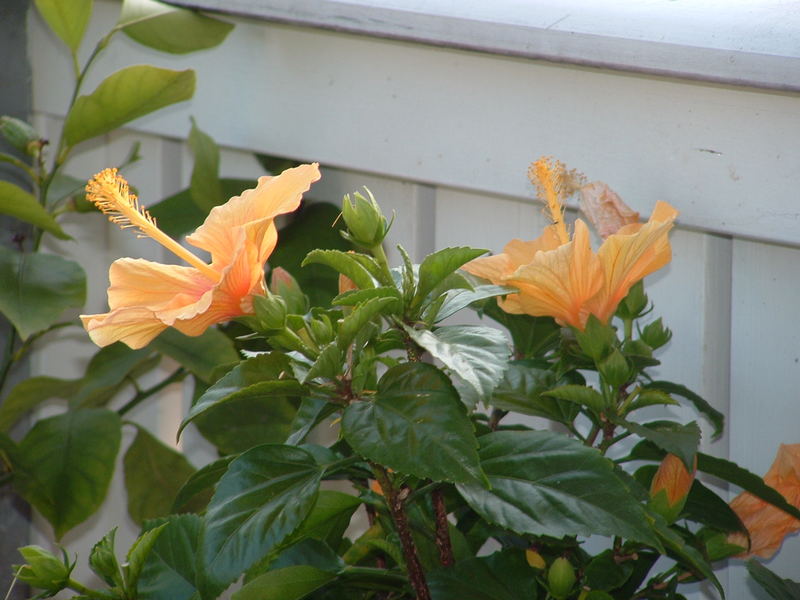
x: 651, y: 397
x: 581, y: 395
x: 688, y: 556
x: 604, y: 573
x: 126, y: 95
x: 343, y: 263
x: 311, y: 412
x: 153, y: 475
x: 170, y: 28
x: 330, y: 517
x: 108, y: 371
x: 66, y: 463
x: 265, y: 495
x: 17, y: 203
x: 352, y: 324
x: 103, y: 560
x: 327, y: 365
x: 457, y: 299
x: 195, y: 494
x: 522, y: 387
x: 415, y: 425
x: 169, y: 571
x: 354, y: 297
x: 200, y: 355
x: 502, y: 576
x: 478, y: 355
x: 677, y: 439
x: 137, y: 555
x: 37, y: 288
x: 437, y: 266
x: 545, y: 483
x: 716, y: 418
x: 289, y: 583
x: 68, y: 20
x: 31, y: 392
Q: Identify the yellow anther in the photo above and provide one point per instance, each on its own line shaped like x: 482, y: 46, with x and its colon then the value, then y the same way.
x: 549, y: 177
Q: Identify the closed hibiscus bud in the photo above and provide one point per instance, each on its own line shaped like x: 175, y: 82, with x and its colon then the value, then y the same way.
x: 271, y: 311
x: 561, y: 578
x: 366, y: 225
x: 670, y: 487
x: 43, y: 570
x: 284, y: 285
x: 21, y: 135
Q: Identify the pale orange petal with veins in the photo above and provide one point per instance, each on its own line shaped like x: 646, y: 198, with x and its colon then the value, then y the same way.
x: 605, y: 209
x: 768, y: 525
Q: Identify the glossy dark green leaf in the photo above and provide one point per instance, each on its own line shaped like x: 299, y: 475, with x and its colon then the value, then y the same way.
x: 504, y: 575
x: 437, y: 266
x: 170, y: 28
x: 288, y: 583
x: 604, y: 573
x: 749, y: 482
x: 154, y: 473
x: 200, y: 355
x: 716, y: 418
x: 195, y: 494
x: 68, y: 20
x: 353, y: 323
x: 687, y: 555
x: 137, y: 555
x: 178, y: 214
x: 205, y: 188
x: 521, y: 390
x: 311, y: 412
x: 777, y: 587
x: 532, y: 336
x: 581, y: 395
x: 330, y: 517
x: 126, y: 95
x: 256, y: 377
x: 328, y: 364
x: 17, y: 203
x: 264, y: 496
x: 66, y: 465
x: 31, y: 392
x: 479, y: 355
x: 677, y: 439
x: 37, y: 288
x: 415, y: 425
x: 545, y: 483
x: 169, y: 571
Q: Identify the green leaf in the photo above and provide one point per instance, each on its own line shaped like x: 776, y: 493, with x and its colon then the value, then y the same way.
x: 504, y: 575
x: 437, y: 266
x: 545, y: 483
x: 457, y: 299
x: 604, y: 573
x: 103, y: 560
x: 342, y: 262
x: 66, y: 465
x: 776, y: 587
x: 716, y: 418
x: 153, y: 475
x: 137, y: 555
x: 200, y: 355
x: 687, y: 555
x: 361, y: 315
x: 522, y: 388
x: 195, y: 494
x: 478, y: 355
x: 205, y: 189
x: 262, y: 499
x: 415, y: 425
x: 328, y: 364
x: 37, y: 288
x: 289, y: 583
x: 581, y: 395
x: 126, y: 95
x: 17, y: 203
x: 169, y: 571
x: 354, y: 297
x: 110, y: 369
x: 178, y: 214
x: 29, y: 393
x: 169, y: 28
x: 330, y: 517
x: 254, y: 377
x: 677, y: 439
x: 532, y: 336
x: 651, y: 397
x: 68, y: 20
x: 311, y: 412
x: 746, y: 480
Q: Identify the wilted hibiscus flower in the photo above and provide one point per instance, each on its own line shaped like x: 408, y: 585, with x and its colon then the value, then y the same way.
x: 560, y: 276
x: 146, y: 297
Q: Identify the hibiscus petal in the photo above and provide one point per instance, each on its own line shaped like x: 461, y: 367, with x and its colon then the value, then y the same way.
x: 134, y: 326
x: 272, y: 196
x: 143, y: 283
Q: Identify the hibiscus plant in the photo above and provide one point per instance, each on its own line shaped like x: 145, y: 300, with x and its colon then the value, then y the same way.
x: 390, y: 452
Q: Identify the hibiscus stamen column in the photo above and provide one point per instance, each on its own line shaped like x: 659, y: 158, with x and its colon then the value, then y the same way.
x: 548, y: 177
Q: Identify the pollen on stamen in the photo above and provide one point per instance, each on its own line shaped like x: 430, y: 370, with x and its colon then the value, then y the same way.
x: 109, y: 192
x: 554, y: 184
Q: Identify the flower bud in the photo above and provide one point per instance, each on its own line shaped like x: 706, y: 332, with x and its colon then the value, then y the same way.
x: 670, y: 487
x: 270, y: 311
x: 43, y: 570
x: 655, y: 334
x: 20, y: 134
x: 284, y: 285
x: 615, y: 368
x: 634, y: 304
x: 366, y: 225
x: 560, y: 578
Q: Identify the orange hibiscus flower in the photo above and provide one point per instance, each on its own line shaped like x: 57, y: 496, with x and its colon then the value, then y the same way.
x: 562, y: 277
x: 767, y: 524
x: 146, y: 297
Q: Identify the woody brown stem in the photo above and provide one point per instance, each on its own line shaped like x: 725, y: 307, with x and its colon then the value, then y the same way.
x: 442, y: 529
x: 395, y: 500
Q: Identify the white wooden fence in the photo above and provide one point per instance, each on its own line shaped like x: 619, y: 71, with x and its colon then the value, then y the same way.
x: 443, y: 135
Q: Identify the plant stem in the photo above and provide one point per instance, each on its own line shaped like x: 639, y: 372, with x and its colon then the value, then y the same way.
x: 8, y: 359
x: 82, y: 589
x: 395, y: 501
x: 177, y: 375
x: 442, y: 529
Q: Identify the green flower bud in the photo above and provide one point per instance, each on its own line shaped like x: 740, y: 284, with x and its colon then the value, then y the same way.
x: 20, y: 134
x: 615, y: 368
x: 284, y: 285
x: 366, y: 225
x: 270, y: 311
x: 597, y: 339
x: 634, y: 305
x: 43, y: 570
x: 321, y: 329
x: 560, y: 578
x: 655, y: 334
